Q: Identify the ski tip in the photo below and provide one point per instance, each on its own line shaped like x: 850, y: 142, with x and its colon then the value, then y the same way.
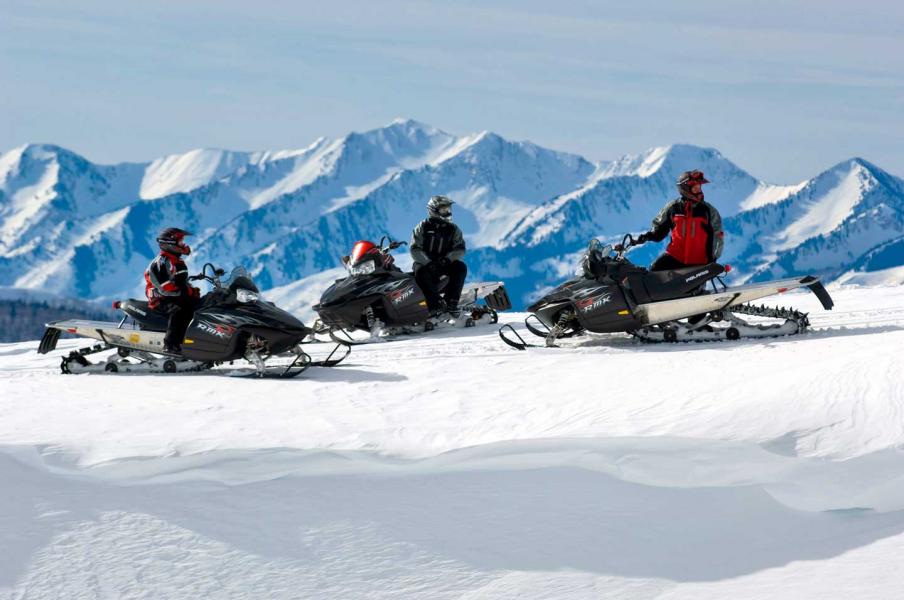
x: 517, y: 345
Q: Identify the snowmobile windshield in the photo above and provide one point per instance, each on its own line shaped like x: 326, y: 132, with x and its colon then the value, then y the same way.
x: 597, y: 246
x: 240, y: 279
x: 361, y: 251
x: 591, y: 265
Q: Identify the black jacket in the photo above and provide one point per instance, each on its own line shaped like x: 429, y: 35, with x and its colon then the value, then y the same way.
x: 435, y: 239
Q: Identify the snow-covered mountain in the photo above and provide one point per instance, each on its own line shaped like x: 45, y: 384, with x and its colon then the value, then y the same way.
x: 79, y: 229
x: 830, y: 225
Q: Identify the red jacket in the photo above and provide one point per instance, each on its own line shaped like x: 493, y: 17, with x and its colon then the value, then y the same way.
x: 695, y: 228
x: 166, y: 277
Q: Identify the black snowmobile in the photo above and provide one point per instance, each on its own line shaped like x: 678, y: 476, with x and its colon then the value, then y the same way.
x: 612, y: 295
x: 231, y: 323
x: 381, y: 299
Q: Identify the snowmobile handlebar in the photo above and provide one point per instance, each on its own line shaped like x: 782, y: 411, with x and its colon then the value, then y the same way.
x: 203, y: 276
x: 393, y: 244
x: 627, y: 242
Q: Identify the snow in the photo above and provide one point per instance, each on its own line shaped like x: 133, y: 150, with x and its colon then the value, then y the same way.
x: 767, y: 193
x: 189, y: 171
x: 884, y: 277
x: 450, y: 466
x: 828, y: 211
x: 299, y: 297
x: 286, y: 214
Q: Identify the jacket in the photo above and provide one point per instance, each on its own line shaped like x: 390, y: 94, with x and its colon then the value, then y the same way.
x: 696, y: 231
x: 435, y: 239
x: 166, y: 278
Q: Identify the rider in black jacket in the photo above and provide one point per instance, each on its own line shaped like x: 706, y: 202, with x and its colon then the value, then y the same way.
x: 437, y: 247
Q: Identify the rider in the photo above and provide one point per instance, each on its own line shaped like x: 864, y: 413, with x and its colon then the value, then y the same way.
x: 695, y: 227
x: 437, y: 247
x: 167, y: 288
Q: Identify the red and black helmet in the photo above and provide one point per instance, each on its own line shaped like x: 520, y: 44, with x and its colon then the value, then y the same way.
x: 172, y: 240
x: 686, y: 183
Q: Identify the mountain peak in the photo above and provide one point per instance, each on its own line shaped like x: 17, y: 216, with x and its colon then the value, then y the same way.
x: 408, y: 128
x: 42, y: 152
x: 670, y: 160
x: 37, y: 158
x: 858, y: 168
x: 407, y: 123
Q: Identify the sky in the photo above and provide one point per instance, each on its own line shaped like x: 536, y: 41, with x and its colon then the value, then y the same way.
x: 784, y: 89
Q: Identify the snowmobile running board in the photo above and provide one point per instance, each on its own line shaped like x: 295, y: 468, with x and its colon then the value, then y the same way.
x: 471, y: 316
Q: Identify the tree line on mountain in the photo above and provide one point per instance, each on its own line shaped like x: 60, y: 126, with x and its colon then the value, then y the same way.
x: 22, y: 320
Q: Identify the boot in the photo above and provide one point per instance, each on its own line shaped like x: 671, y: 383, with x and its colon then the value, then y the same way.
x: 453, y: 310
x: 439, y: 310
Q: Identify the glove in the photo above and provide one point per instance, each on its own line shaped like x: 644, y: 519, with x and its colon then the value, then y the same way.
x: 194, y: 292
x: 643, y: 238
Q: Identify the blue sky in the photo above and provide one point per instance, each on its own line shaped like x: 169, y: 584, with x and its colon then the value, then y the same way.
x: 785, y: 89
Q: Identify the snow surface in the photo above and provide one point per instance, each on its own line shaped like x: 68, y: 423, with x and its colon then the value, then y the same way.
x: 884, y: 277
x: 450, y: 466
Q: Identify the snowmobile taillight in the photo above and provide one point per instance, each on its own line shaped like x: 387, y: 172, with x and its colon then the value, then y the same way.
x: 782, y: 290
x: 116, y: 304
x: 728, y: 268
x: 72, y: 330
x: 360, y: 249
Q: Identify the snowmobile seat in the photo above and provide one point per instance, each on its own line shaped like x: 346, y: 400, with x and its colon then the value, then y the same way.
x: 441, y: 284
x: 141, y: 313
x: 653, y: 286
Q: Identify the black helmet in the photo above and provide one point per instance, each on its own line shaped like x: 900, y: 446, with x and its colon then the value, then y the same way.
x: 686, y: 183
x: 440, y: 207
x: 171, y: 240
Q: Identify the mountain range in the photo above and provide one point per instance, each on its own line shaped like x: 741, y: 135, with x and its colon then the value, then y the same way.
x: 79, y: 229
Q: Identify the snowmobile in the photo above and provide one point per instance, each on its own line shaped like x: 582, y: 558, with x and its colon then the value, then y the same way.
x: 232, y: 323
x: 611, y: 294
x: 381, y: 299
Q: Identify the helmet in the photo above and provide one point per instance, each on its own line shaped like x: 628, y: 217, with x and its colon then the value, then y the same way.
x: 440, y: 207
x: 171, y: 240
x: 686, y: 183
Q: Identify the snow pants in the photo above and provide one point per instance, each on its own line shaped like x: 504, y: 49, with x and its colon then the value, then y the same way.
x: 428, y: 279
x: 667, y: 262
x: 180, y: 311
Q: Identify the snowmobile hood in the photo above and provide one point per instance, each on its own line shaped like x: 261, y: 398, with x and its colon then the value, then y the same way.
x: 351, y: 288
x: 563, y: 293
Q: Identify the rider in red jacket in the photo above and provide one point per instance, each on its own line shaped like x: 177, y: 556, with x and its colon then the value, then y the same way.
x: 694, y: 224
x: 167, y: 288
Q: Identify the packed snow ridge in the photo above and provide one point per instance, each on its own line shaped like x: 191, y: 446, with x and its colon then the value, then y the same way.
x: 450, y: 466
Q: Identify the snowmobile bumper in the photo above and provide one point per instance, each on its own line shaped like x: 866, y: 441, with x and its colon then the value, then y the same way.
x: 49, y: 339
x: 817, y: 288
